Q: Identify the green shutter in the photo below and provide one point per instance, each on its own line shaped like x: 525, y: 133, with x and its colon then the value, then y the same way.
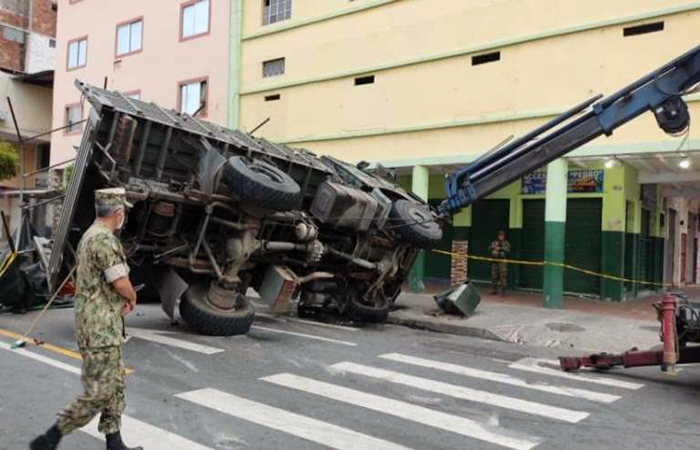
x: 532, y: 247
x: 583, y: 244
x: 488, y: 217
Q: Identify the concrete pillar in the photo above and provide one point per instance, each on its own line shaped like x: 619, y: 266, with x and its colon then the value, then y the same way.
x: 554, y: 232
x: 419, y: 185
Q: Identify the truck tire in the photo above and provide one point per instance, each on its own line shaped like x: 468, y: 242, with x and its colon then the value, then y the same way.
x: 414, y: 223
x: 357, y: 309
x: 207, y: 319
x: 261, y: 184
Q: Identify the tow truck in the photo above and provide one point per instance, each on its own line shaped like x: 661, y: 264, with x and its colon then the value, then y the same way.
x: 661, y: 92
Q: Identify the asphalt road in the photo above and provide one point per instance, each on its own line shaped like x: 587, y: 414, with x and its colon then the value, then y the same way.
x: 292, y: 384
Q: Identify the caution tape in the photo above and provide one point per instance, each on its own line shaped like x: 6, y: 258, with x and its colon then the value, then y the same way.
x: 552, y: 264
x: 7, y: 263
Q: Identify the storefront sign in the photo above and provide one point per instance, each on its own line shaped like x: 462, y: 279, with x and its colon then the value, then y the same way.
x: 580, y: 182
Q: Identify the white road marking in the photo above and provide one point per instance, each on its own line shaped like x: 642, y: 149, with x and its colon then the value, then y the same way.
x: 502, y: 378
x: 160, y: 338
x: 533, y: 365
x: 307, y: 336
x: 407, y: 411
x: 304, y: 427
x: 41, y: 358
x: 136, y: 432
x: 473, y: 395
x: 308, y: 322
x: 139, y: 432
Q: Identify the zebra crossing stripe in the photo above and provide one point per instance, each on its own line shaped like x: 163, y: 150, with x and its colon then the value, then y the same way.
x: 304, y: 335
x: 474, y: 395
x: 160, y: 337
x: 407, y: 411
x: 304, y: 427
x: 534, y: 366
x: 501, y: 378
x: 40, y: 358
x: 150, y: 437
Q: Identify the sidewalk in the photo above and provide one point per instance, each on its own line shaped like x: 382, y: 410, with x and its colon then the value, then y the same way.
x: 583, y: 325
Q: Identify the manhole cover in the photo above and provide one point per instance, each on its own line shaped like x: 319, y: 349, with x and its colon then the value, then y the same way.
x: 565, y: 327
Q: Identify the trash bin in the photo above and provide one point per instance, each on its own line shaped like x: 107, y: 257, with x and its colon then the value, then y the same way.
x: 460, y: 300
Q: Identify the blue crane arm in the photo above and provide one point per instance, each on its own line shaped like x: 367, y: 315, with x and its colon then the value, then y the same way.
x: 660, y: 92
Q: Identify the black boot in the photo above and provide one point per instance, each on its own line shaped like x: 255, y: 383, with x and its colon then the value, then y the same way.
x: 47, y: 441
x: 114, y: 442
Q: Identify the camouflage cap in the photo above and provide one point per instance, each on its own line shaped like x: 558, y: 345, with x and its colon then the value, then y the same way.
x: 112, y: 197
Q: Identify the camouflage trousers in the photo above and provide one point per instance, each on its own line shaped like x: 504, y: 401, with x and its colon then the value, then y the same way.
x: 103, y: 381
x: 499, y: 275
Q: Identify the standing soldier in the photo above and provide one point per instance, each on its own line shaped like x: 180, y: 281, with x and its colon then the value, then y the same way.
x: 104, y: 295
x: 499, y: 270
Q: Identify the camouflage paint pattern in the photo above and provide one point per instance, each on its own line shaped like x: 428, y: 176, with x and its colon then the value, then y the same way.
x: 499, y: 271
x: 98, y: 320
x: 98, y: 332
x: 103, y: 381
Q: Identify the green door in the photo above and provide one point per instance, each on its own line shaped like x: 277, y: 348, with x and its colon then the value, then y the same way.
x: 438, y: 267
x: 583, y: 244
x: 532, y: 246
x: 488, y: 217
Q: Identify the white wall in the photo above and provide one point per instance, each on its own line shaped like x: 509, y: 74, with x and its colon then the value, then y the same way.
x: 40, y: 55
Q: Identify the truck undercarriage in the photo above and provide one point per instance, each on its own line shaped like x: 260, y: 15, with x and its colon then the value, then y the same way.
x: 217, y: 212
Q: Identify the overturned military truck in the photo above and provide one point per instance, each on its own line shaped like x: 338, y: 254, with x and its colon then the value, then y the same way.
x: 218, y: 211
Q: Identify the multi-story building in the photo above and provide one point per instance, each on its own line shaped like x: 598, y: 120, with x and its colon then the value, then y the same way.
x: 424, y: 87
x: 173, y: 53
x: 27, y: 47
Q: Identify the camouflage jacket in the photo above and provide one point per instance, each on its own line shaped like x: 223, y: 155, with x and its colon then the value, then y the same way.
x: 101, y: 260
x: 499, y: 249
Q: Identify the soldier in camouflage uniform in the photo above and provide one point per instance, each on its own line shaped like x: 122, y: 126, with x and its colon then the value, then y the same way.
x: 104, y: 295
x: 500, y: 248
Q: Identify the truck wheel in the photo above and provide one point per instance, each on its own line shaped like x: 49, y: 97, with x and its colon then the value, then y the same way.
x: 261, y: 184
x: 201, y: 315
x: 414, y: 223
x: 359, y: 309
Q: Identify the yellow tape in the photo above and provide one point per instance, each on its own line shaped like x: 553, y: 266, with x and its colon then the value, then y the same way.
x: 550, y: 263
x: 7, y: 263
x: 53, y: 348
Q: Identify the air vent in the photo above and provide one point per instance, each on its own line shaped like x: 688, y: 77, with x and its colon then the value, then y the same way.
x: 364, y: 80
x: 643, y: 29
x: 272, y: 98
x: 486, y: 58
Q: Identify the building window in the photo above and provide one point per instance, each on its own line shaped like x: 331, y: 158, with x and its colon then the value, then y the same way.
x: 276, y: 11
x: 13, y: 35
x: 194, y: 19
x: 52, y: 43
x: 132, y: 95
x: 193, y: 97
x: 273, y: 67
x: 74, y: 116
x: 129, y: 37
x: 77, y: 53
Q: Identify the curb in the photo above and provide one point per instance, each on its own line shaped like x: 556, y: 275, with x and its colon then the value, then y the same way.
x: 447, y: 328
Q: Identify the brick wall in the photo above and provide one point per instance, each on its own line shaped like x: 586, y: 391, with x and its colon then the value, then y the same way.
x: 11, y: 52
x: 459, y: 264
x: 43, y: 18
